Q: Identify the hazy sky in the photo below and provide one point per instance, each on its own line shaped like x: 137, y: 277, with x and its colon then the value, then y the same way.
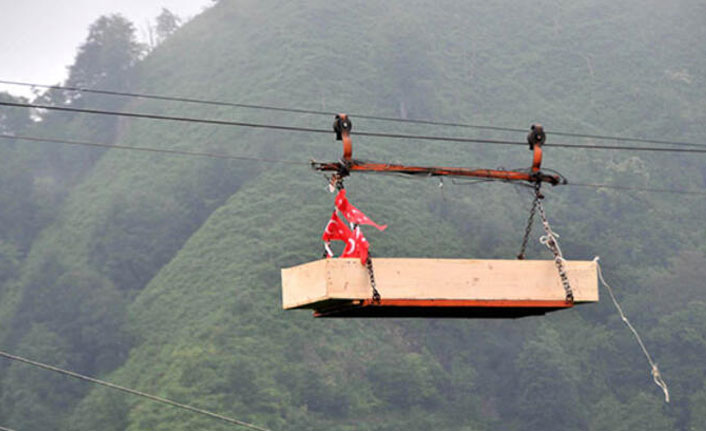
x: 39, y: 38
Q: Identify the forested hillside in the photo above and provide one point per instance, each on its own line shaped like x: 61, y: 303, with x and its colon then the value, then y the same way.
x: 161, y: 272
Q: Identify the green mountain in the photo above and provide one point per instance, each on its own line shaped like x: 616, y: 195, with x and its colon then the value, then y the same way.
x: 161, y: 272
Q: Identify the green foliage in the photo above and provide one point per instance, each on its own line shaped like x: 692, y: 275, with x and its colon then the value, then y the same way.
x: 30, y: 398
x: 13, y: 121
x: 549, y: 377
x: 643, y: 412
x: 167, y: 23
x: 107, y: 56
x: 9, y: 261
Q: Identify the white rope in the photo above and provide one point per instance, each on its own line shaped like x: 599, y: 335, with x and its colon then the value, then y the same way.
x: 656, y: 376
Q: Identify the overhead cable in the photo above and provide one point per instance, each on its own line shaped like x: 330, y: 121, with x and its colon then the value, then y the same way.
x: 252, y: 106
x: 363, y: 133
x: 132, y: 392
x: 293, y: 162
x: 364, y: 116
x: 246, y: 124
x: 638, y: 189
x: 151, y: 149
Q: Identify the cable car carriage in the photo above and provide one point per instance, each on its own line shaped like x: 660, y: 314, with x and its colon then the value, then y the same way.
x: 356, y: 285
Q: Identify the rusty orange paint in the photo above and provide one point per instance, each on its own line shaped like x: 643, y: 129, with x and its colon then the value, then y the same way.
x: 465, y: 303
x: 347, y: 142
x: 536, y: 158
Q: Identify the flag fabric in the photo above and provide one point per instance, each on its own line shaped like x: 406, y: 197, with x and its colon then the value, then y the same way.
x: 336, y: 229
x: 353, y: 214
x: 357, y: 246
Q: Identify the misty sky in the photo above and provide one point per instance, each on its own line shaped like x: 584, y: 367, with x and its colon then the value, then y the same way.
x: 39, y: 38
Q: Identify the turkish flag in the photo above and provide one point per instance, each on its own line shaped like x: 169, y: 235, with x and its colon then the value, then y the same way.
x: 336, y: 229
x: 353, y: 214
x: 357, y: 246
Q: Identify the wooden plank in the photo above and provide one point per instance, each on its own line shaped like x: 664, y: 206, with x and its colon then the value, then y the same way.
x: 327, y: 281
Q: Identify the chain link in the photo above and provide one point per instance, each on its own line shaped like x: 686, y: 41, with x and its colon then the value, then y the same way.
x: 550, y: 241
x: 530, y: 221
x: 371, y: 273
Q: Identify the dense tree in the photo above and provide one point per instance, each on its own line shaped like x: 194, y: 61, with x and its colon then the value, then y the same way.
x: 167, y: 23
x: 107, y: 56
x: 31, y: 399
x: 13, y: 120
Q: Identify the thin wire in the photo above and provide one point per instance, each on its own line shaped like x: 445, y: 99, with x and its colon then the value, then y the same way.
x: 132, y: 392
x: 365, y: 116
x: 312, y: 130
x: 252, y: 106
x: 167, y: 98
x: 5, y: 429
x: 293, y: 162
x: 625, y: 139
x: 151, y: 150
x: 245, y: 124
x: 656, y: 376
x: 626, y: 147
x: 164, y: 117
x: 639, y: 189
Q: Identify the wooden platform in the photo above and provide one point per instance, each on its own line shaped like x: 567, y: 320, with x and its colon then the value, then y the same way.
x: 436, y: 287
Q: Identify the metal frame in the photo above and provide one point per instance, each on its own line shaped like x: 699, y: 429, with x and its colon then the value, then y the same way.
x: 342, y: 127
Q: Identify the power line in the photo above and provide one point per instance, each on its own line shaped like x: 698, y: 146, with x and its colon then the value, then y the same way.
x: 312, y: 130
x: 169, y: 98
x: 252, y: 106
x: 5, y: 429
x: 364, y: 116
x: 628, y: 148
x: 626, y: 139
x: 293, y: 162
x: 164, y: 117
x: 639, y: 189
x: 150, y: 149
x: 133, y: 392
x: 246, y: 124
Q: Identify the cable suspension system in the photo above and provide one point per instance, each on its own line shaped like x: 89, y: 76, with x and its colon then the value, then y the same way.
x: 328, y: 113
x: 193, y: 409
x: 152, y: 150
x: 313, y: 130
x: 638, y: 189
x: 299, y: 163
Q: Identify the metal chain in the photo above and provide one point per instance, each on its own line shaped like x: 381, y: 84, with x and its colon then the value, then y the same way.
x: 371, y: 273
x: 550, y: 241
x: 530, y: 221
x: 336, y: 181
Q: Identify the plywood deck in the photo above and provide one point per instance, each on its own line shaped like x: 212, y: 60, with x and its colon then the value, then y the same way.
x: 435, y: 287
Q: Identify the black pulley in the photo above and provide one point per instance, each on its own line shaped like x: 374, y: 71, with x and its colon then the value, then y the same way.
x: 536, y: 136
x: 341, y: 123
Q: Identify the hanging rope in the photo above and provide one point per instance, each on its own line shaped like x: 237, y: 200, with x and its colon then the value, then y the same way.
x: 656, y: 375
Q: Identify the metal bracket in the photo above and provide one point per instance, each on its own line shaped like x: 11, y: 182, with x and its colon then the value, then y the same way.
x: 535, y: 139
x: 342, y: 126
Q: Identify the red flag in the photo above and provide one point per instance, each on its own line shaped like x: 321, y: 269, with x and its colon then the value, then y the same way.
x: 336, y: 230
x: 353, y: 214
x: 357, y: 246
